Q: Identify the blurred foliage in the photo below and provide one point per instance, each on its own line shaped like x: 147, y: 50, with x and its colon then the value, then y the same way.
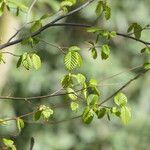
x: 73, y: 135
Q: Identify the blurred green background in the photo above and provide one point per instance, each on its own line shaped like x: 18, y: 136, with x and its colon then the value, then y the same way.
x: 74, y: 135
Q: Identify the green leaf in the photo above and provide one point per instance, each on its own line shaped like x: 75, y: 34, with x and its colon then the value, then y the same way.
x: 72, y: 94
x: 136, y: 28
x: 115, y: 111
x: 120, y: 99
x: 94, y: 53
x: 113, y: 34
x: 45, y: 16
x: 36, y: 26
x: 101, y: 112
x: 9, y: 143
x: 46, y: 113
x: 74, y: 48
x: 84, y: 91
x: 131, y: 27
x: 137, y: 31
x: 19, y: 62
x: 93, y: 29
x: 74, y: 106
x: 145, y: 50
x: 66, y: 81
x: 72, y: 60
x: 92, y: 100
x: 80, y: 78
x: 1, y: 58
x: 88, y: 115
x: 92, y: 82
x: 67, y: 3
x: 3, y: 122
x: 36, y: 61
x: 26, y: 61
x: 37, y: 115
x: 2, y: 8
x: 125, y: 115
x: 105, y: 52
x: 107, y: 11
x: 99, y: 8
x: 20, y: 124
x: 146, y: 65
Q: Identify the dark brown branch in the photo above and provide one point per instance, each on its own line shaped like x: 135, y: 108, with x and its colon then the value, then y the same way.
x: 87, y: 26
x: 133, y: 38
x: 46, y: 26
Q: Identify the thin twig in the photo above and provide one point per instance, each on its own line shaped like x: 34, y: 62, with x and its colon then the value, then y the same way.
x: 57, y: 93
x: 11, y: 54
x: 124, y: 86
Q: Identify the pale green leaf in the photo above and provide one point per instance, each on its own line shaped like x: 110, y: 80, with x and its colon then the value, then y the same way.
x: 20, y: 124
x: 105, y: 52
x: 74, y: 106
x: 72, y: 95
x: 36, y: 61
x: 120, y: 99
x: 72, y: 60
x: 125, y: 115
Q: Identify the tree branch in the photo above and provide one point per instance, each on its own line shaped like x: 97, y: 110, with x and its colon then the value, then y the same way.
x: 47, y: 25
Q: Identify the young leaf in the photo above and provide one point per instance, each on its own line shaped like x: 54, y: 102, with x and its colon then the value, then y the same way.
x: 46, y: 113
x: 137, y: 31
x: 9, y: 144
x: 1, y: 58
x: 19, y: 62
x: 120, y: 99
x: 99, y: 8
x: 145, y: 50
x: 3, y: 122
x: 93, y: 29
x: 74, y: 106
x: 74, y: 48
x: 101, y: 112
x: 131, y: 27
x: 36, y: 26
x: 92, y: 82
x: 20, y: 124
x: 107, y: 11
x: 94, y: 53
x: 80, y: 78
x: 146, y: 65
x: 72, y: 60
x: 112, y: 34
x: 26, y: 61
x: 87, y: 115
x: 84, y: 91
x: 45, y: 16
x: 37, y: 115
x: 105, y: 52
x: 125, y: 115
x: 72, y: 94
x: 36, y: 61
x: 66, y: 81
x: 92, y: 99
x: 115, y: 111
